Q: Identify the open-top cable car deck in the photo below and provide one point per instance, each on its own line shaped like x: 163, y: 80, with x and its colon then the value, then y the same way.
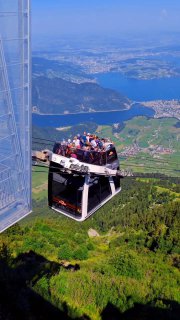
x: 81, y: 180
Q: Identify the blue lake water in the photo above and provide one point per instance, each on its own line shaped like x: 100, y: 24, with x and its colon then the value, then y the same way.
x: 136, y: 90
x: 141, y: 90
x: 97, y: 117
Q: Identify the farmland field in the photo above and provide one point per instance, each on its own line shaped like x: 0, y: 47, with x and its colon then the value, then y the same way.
x: 147, y: 145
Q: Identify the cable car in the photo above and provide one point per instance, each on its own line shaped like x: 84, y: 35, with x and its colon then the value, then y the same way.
x: 82, y: 181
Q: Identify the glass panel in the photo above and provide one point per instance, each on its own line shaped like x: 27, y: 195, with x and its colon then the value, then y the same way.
x: 67, y: 192
x: 94, y: 196
x: 99, y: 190
x: 116, y: 182
x: 9, y: 6
x: 92, y: 157
x: 15, y: 112
x: 111, y: 155
x: 105, y: 188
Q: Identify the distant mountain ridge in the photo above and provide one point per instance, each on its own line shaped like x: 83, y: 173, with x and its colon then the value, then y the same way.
x: 56, y: 96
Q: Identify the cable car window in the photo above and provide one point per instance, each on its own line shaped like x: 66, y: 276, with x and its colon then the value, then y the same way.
x: 96, y: 158
x: 60, y: 149
x: 116, y: 182
x: 111, y: 155
x: 99, y: 190
x: 103, y: 158
x: 67, y: 192
x: 92, y: 157
x: 80, y: 154
x: 94, y: 197
x: 105, y: 187
x: 57, y: 148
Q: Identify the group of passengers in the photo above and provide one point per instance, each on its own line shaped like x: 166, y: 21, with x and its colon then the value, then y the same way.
x: 87, y: 142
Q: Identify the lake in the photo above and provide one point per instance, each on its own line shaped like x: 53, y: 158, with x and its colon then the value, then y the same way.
x: 97, y: 117
x: 141, y: 90
x: 136, y: 90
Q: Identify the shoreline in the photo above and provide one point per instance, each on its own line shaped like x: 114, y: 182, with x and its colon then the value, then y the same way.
x: 74, y: 113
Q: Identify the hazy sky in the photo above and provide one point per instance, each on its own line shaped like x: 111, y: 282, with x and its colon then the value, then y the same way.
x: 53, y: 17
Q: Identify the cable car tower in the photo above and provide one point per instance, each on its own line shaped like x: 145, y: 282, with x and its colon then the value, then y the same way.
x: 15, y: 112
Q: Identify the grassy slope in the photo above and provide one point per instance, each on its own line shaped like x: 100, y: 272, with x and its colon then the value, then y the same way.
x: 39, y: 183
x: 118, y: 267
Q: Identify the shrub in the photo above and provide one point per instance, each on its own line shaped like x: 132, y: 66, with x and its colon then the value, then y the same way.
x: 65, y: 252
x: 81, y: 253
x: 127, y: 264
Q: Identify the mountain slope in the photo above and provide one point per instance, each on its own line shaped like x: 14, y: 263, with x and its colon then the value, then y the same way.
x: 58, y: 96
x: 131, y: 267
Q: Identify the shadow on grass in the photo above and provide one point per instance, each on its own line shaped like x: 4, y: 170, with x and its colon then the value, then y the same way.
x: 17, y: 298
x: 143, y: 312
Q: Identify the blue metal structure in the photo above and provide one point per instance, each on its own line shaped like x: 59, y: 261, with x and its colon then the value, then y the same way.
x: 15, y: 112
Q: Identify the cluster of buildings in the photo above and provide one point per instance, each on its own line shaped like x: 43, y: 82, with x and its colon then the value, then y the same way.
x: 164, y: 108
x: 153, y: 150
x: 130, y: 151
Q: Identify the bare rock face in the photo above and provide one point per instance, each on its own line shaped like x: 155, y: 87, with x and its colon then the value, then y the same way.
x: 93, y: 233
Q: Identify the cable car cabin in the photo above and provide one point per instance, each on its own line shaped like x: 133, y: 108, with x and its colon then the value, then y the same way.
x: 81, y: 181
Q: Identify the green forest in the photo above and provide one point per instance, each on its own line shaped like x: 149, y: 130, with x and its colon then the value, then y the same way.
x: 121, y: 263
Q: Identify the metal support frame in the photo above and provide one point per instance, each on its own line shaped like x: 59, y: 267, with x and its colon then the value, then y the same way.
x: 15, y: 105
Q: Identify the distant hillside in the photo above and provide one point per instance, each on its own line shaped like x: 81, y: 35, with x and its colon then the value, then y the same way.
x: 56, y: 69
x: 58, y: 96
x: 45, y: 137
